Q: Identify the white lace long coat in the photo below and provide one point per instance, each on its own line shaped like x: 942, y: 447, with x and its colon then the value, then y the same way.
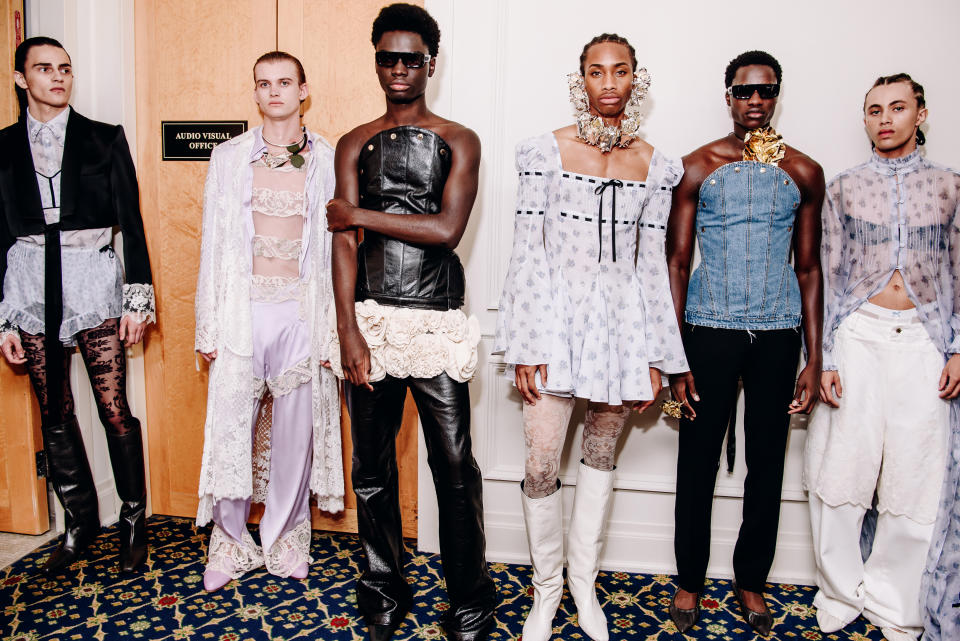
x: 223, y: 317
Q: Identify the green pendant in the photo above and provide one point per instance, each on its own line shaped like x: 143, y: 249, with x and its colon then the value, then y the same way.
x: 295, y: 158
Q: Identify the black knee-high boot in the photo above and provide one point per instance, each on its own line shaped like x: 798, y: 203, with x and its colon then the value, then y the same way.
x: 126, y: 458
x: 69, y: 473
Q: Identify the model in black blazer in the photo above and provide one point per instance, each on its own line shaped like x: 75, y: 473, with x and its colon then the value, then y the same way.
x: 98, y: 189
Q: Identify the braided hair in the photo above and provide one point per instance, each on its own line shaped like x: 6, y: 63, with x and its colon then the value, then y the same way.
x: 609, y: 37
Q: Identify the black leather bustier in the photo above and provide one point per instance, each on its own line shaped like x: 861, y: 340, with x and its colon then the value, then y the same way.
x: 403, y: 171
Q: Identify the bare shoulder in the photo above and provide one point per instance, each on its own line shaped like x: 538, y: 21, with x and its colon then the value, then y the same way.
x: 459, y: 137
x: 566, y: 134
x: 702, y: 161
x: 804, y: 169
x: 350, y: 142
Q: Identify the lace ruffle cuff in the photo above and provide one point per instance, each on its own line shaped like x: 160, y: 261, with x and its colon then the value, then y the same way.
x: 419, y: 343
x: 290, y: 551
x: 231, y: 557
x: 7, y: 328
x: 139, y: 302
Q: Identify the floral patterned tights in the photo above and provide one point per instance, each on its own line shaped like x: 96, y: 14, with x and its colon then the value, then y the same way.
x: 105, y: 359
x: 545, y: 430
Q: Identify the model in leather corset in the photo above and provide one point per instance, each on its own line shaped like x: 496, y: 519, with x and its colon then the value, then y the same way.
x: 403, y: 171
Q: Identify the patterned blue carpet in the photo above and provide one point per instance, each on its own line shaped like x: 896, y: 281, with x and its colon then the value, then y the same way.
x: 167, y: 601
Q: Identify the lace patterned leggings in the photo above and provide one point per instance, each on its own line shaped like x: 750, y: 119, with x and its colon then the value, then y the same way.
x: 545, y: 430
x: 106, y: 363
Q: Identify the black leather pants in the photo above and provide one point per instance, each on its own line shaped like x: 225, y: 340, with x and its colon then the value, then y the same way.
x: 383, y: 596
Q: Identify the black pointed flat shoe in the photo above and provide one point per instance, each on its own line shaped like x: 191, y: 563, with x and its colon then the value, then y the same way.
x: 684, y: 619
x: 761, y: 622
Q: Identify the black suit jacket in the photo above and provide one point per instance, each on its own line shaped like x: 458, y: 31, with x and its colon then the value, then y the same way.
x: 98, y: 188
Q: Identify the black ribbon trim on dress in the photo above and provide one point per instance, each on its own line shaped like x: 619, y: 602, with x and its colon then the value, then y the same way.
x: 613, y: 216
x: 53, y: 316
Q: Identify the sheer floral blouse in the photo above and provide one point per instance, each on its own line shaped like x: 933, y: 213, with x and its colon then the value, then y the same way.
x: 893, y: 214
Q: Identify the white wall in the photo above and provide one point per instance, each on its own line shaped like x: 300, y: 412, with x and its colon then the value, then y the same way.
x: 502, y: 71
x: 99, y: 36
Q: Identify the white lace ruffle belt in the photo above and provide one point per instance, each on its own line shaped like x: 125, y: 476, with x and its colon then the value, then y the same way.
x: 419, y: 343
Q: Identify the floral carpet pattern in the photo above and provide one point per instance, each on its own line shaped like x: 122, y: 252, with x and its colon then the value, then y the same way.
x: 166, y: 600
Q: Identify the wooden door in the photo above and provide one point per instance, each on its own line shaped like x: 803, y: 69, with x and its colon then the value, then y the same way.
x: 23, y: 494
x: 194, y: 62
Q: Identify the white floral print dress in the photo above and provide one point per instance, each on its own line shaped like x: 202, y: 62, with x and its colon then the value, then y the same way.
x: 587, y: 292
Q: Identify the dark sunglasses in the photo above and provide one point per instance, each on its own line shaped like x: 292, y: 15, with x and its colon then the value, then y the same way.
x: 410, y: 59
x: 745, y: 92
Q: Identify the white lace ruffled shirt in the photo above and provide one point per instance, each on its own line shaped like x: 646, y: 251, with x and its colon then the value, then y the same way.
x: 92, y: 274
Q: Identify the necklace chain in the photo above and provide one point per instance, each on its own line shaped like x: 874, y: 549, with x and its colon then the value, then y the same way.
x: 299, y: 142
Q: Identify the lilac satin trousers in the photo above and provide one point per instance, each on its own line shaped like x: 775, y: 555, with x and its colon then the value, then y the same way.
x: 280, y: 341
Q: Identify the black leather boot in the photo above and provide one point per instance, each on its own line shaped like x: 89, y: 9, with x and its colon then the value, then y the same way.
x: 126, y: 458
x: 69, y: 473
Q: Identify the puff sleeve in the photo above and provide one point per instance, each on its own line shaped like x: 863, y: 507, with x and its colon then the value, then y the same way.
x: 662, y: 333
x: 528, y: 322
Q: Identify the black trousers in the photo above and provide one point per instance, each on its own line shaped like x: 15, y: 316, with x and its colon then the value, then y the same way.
x: 383, y: 596
x: 766, y: 361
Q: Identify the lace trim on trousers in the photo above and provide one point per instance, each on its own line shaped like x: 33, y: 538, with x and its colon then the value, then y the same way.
x: 290, y: 379
x: 290, y: 551
x: 231, y: 558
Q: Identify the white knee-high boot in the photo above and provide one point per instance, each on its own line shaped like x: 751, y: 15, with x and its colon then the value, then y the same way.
x: 590, y: 506
x: 544, y: 521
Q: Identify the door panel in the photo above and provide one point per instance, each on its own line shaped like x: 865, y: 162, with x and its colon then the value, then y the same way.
x: 23, y: 495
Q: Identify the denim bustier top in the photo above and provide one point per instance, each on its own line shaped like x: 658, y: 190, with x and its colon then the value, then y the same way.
x: 403, y: 171
x: 745, y: 219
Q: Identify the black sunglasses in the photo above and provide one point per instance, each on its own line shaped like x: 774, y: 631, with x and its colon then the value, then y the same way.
x: 745, y: 92
x: 410, y: 59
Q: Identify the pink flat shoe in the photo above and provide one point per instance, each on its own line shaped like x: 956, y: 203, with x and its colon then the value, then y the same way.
x: 213, y: 580
x: 301, y: 572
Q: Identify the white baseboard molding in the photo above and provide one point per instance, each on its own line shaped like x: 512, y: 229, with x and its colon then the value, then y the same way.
x: 650, y: 551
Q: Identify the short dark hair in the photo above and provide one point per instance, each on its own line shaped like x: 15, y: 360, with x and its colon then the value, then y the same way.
x: 609, y: 37
x: 407, y: 17
x: 277, y: 56
x: 20, y: 62
x: 915, y: 86
x: 748, y: 58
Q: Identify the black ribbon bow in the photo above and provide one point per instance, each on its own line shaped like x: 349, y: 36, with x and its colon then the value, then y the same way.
x: 613, y: 216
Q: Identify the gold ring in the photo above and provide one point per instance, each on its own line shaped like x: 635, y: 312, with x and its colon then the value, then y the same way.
x: 673, y: 409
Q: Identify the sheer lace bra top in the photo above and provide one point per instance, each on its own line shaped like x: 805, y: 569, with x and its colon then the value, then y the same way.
x: 278, y: 204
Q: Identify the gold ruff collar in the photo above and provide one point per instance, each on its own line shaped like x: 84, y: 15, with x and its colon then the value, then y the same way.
x: 764, y: 145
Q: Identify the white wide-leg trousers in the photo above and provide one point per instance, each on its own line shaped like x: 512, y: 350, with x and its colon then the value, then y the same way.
x: 889, y: 435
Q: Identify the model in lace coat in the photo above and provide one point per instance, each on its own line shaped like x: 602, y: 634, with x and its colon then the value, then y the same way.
x: 262, y: 295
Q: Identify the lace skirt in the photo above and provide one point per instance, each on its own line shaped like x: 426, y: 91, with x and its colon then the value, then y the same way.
x: 92, y: 288
x: 419, y: 343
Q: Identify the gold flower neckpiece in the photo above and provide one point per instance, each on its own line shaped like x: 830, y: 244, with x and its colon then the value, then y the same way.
x: 591, y: 128
x: 293, y: 153
x: 764, y: 145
